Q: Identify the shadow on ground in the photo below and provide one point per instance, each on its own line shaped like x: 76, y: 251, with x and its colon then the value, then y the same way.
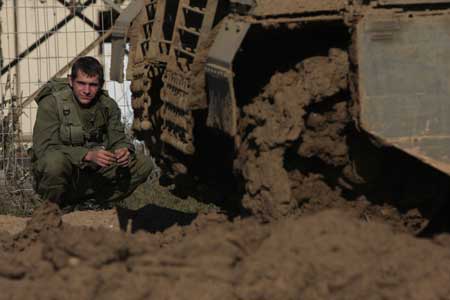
x: 152, y: 218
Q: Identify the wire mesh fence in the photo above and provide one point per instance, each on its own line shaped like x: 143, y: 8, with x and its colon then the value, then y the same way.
x: 39, y: 40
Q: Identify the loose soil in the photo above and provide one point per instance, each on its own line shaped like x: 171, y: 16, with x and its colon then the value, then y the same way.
x: 288, y: 117
x: 337, y: 253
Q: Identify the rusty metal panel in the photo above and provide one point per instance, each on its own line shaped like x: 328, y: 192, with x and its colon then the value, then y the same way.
x: 227, y: 43
x: 283, y: 7
x: 404, y: 84
x: 406, y: 2
x: 222, y: 112
x: 118, y: 38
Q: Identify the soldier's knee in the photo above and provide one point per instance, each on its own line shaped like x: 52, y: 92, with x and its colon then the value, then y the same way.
x: 55, y: 164
x: 145, y: 165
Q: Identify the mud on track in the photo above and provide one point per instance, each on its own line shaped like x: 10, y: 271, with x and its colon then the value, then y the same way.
x: 333, y: 254
x: 283, y: 118
x: 302, y: 149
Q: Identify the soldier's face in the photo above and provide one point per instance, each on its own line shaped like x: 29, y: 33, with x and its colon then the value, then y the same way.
x: 85, y: 87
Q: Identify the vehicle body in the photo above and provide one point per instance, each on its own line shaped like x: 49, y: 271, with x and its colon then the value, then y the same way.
x: 198, y: 66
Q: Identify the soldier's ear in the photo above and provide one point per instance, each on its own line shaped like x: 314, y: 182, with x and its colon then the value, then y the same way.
x: 70, y: 80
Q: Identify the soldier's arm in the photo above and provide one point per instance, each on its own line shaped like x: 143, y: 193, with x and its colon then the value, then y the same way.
x: 46, y: 133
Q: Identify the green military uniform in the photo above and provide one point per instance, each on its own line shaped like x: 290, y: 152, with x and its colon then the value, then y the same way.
x: 63, y: 134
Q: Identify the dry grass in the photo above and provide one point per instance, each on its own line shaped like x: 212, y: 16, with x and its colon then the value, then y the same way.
x: 154, y: 193
x: 20, y: 203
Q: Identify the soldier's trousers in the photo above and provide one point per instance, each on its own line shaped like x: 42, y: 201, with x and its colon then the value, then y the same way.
x: 58, y: 180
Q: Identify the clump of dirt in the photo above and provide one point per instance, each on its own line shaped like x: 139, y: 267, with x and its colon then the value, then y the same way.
x: 47, y: 218
x: 330, y: 254
x: 301, y: 113
x: 301, y: 152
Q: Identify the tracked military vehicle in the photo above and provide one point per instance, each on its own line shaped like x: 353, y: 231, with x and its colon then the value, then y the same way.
x: 275, y: 93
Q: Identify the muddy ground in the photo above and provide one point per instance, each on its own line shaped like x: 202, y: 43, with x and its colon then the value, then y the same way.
x: 171, y: 248
x: 346, y: 251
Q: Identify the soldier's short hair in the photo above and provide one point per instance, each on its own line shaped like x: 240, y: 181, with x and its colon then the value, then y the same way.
x: 89, y: 66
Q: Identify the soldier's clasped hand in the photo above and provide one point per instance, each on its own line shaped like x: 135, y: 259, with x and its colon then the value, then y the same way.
x: 122, y: 156
x: 103, y: 158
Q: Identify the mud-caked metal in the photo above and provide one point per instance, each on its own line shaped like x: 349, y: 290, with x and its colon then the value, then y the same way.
x: 188, y: 62
x: 404, y: 83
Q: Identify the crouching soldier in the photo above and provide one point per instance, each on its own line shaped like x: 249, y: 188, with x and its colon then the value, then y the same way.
x: 80, y: 149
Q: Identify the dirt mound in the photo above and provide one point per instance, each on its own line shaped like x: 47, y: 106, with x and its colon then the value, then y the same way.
x: 45, y: 220
x: 327, y: 255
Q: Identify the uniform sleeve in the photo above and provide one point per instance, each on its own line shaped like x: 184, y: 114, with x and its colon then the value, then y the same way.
x: 116, y: 131
x: 46, y: 133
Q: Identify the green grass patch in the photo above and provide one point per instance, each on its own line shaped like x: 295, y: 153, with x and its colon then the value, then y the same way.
x: 154, y: 193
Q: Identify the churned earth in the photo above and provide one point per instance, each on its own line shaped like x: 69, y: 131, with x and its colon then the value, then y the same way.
x: 329, y: 250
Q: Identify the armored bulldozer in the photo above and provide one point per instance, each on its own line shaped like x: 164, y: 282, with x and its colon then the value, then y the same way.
x: 271, y: 95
